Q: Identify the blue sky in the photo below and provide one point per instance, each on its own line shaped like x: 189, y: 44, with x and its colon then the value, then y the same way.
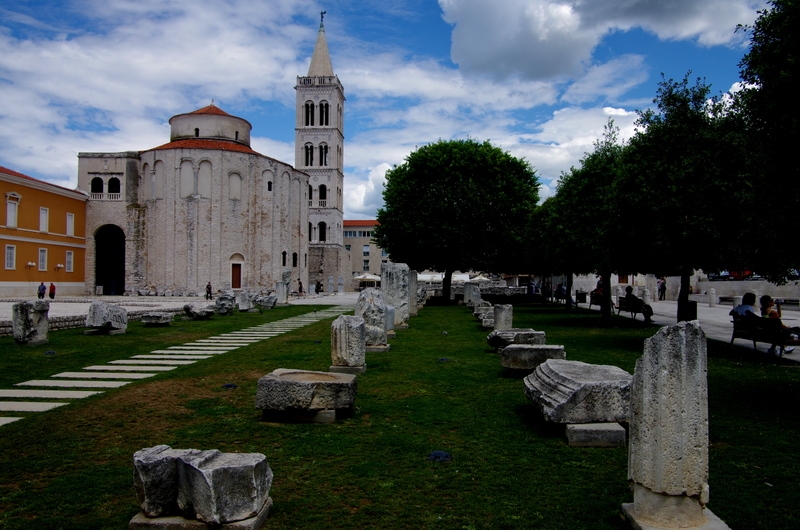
x: 538, y: 78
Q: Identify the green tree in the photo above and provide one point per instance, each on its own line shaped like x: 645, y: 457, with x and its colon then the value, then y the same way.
x: 683, y: 198
x: 771, y: 71
x: 588, y: 213
x: 458, y: 205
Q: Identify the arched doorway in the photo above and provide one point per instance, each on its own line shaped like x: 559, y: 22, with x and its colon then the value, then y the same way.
x: 109, y: 259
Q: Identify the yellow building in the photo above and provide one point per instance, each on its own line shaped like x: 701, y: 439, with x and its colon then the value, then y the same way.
x: 43, y: 236
x: 365, y: 256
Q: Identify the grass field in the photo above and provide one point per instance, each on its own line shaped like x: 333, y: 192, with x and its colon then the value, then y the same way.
x: 71, y: 467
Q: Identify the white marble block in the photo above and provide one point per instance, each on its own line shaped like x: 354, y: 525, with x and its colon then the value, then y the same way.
x: 30, y: 322
x: 503, y: 316
x: 394, y: 285
x: 348, y: 348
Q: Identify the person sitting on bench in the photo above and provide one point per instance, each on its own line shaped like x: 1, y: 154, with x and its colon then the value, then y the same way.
x: 771, y: 309
x: 746, y: 308
x: 637, y: 305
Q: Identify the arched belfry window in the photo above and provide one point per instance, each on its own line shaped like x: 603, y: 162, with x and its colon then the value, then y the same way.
x: 309, y: 151
x: 309, y: 113
x: 197, y: 133
x: 323, y: 228
x: 323, y: 155
x: 309, y: 232
x: 323, y: 193
x: 294, y: 259
x: 283, y: 256
x: 324, y: 113
x: 269, y: 185
x: 97, y: 185
x: 113, y: 185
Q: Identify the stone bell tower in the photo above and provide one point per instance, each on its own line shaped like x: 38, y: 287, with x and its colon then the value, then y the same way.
x: 319, y: 151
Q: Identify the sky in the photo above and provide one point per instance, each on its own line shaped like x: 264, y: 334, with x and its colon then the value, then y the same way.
x: 537, y: 78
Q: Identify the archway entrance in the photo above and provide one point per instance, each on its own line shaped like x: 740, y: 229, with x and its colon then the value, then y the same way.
x: 109, y: 261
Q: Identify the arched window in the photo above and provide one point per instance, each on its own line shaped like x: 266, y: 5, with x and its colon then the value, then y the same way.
x: 187, y: 179
x: 236, y: 136
x: 324, y: 112
x: 323, y: 155
x: 197, y: 133
x: 235, y: 187
x: 322, y: 229
x: 309, y: 231
x: 294, y: 259
x: 323, y: 194
x: 204, y: 179
x: 97, y: 185
x: 283, y: 255
x: 309, y: 108
x: 309, y: 149
x: 269, y: 185
x: 113, y: 185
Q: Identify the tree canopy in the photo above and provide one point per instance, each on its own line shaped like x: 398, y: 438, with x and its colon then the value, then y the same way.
x: 458, y: 205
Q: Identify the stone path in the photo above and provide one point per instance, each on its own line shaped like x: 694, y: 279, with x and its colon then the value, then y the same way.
x: 123, y: 371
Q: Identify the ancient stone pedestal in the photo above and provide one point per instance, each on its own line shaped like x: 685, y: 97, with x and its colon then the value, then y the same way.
x: 412, y: 294
x: 390, y: 321
x: 330, y: 284
x: 394, y: 285
x: 106, y: 318
x: 199, y: 312
x: 192, y: 489
x: 372, y: 309
x: 225, y: 304
x: 712, y: 297
x: 668, y: 453
x: 503, y: 316
x: 499, y: 339
x: 595, y: 435
x: 30, y: 323
x: 575, y: 392
x: 154, y: 320
x: 304, y: 395
x: 282, y: 293
x: 482, y: 311
x: 347, y: 345
x: 244, y: 300
x: 529, y: 356
x: 340, y: 285
x: 472, y: 292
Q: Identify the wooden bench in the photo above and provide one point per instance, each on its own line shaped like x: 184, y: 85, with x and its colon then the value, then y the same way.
x: 633, y: 309
x: 758, y: 329
x: 595, y: 299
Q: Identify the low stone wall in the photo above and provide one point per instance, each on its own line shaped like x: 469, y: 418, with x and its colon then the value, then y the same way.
x: 79, y: 321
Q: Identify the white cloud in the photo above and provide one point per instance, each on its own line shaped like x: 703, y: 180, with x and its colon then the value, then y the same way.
x: 364, y: 196
x: 554, y: 39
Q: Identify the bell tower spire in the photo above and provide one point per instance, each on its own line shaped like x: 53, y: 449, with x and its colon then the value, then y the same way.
x: 319, y: 151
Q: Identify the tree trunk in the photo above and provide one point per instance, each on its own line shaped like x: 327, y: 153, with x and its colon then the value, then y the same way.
x: 568, y: 303
x: 605, y: 309
x: 686, y: 310
x: 447, y: 281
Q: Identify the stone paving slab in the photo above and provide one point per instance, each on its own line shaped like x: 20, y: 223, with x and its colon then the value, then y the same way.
x: 100, y: 375
x: 126, y: 368
x: 28, y: 406
x: 47, y: 394
x: 7, y: 420
x: 189, y: 352
x: 167, y: 363
x: 72, y: 384
x: 165, y: 356
x: 210, y: 348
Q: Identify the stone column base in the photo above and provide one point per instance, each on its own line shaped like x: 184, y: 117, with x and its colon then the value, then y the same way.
x: 348, y: 369
x: 382, y: 348
x: 176, y: 522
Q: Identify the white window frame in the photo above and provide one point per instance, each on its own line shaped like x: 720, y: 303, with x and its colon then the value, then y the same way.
x: 70, y: 224
x: 366, y: 265
x: 12, y: 209
x: 44, y: 219
x: 69, y: 260
x: 42, y: 259
x: 365, y: 250
x: 11, y: 257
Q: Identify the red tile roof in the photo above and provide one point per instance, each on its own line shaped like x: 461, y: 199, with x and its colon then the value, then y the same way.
x: 201, y: 143
x: 13, y: 173
x: 211, y: 109
x: 360, y: 222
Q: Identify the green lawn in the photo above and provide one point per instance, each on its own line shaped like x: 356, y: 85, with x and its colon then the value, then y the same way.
x: 71, y: 467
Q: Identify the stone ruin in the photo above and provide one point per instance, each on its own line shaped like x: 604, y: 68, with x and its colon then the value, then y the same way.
x: 592, y: 398
x: 245, y: 301
x: 153, y: 320
x: 225, y: 303
x: 347, y: 345
x: 305, y: 395
x: 503, y: 317
x: 372, y: 309
x: 390, y: 322
x: 30, y: 323
x: 395, y: 289
x: 105, y: 318
x: 529, y: 356
x: 198, y: 311
x: 283, y: 287
x: 668, y: 452
x: 176, y: 488
x: 413, y: 294
x: 499, y: 339
x: 265, y: 302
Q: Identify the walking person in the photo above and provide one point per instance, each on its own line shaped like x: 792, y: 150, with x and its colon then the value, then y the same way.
x: 52, y: 291
x: 208, y: 291
x: 300, y: 288
x: 41, y: 290
x: 662, y: 288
